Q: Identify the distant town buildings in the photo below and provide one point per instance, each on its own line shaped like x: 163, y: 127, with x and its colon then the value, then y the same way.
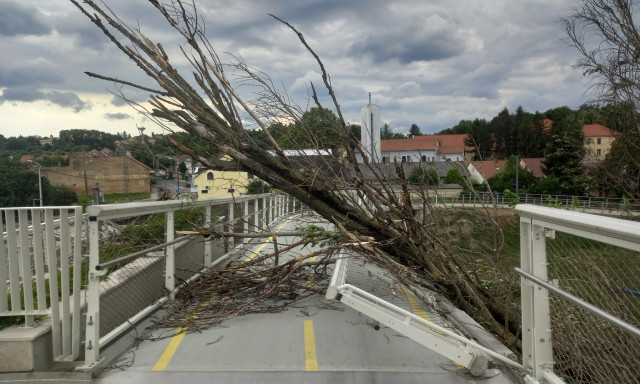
x: 122, y: 174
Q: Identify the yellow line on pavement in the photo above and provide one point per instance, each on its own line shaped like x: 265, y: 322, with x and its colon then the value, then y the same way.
x: 168, y: 353
x: 311, y: 361
x: 255, y: 253
x: 420, y: 312
x: 171, y: 349
x: 415, y: 306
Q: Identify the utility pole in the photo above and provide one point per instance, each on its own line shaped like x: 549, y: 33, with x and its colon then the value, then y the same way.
x: 84, y: 165
x: 517, y: 174
x: 39, y: 180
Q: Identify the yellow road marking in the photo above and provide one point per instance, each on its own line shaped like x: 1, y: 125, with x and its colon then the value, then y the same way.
x: 420, y: 312
x: 171, y: 349
x: 168, y: 353
x: 311, y: 362
x: 255, y: 253
x: 415, y: 306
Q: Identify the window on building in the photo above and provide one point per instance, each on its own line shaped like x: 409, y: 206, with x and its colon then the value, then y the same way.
x: 433, y: 159
x: 408, y: 159
x: 423, y: 159
x: 598, y: 141
x: 210, y: 176
x: 457, y: 158
x: 404, y: 159
x: 384, y: 159
x: 599, y: 152
x: 250, y: 176
x: 204, y: 191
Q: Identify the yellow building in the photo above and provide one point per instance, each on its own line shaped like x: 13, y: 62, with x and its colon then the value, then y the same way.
x: 598, y: 140
x: 210, y: 183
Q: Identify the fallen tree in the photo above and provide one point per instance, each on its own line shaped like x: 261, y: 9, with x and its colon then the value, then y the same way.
x: 367, y: 199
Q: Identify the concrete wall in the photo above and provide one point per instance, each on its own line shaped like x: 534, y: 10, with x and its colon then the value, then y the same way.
x: 106, y: 173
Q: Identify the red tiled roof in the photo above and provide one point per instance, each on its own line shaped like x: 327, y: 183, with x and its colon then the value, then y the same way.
x: 447, y: 143
x: 534, y: 164
x: 594, y: 130
x: 451, y: 141
x: 489, y: 168
x: 24, y: 158
x: 415, y: 144
x: 547, y: 123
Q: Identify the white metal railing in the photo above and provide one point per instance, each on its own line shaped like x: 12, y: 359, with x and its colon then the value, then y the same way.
x: 538, y: 226
x: 37, y: 252
x: 425, y: 331
x: 273, y: 206
x: 591, y: 204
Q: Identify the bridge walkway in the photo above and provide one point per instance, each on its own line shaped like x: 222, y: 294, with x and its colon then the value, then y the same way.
x: 313, y: 341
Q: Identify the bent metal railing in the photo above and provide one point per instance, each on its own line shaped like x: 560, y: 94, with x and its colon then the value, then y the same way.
x: 587, y: 331
x: 351, y: 284
x: 125, y: 289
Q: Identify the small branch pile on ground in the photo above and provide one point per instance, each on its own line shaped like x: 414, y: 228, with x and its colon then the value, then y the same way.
x: 240, y: 288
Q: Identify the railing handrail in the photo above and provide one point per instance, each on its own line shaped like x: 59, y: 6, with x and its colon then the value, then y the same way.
x: 601, y: 226
x: 120, y: 210
x: 581, y: 303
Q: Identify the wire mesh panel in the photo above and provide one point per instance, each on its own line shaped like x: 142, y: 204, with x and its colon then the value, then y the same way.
x: 132, y: 285
x: 586, y: 348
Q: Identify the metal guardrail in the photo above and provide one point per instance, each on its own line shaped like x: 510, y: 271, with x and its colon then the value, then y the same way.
x: 38, y: 251
x: 425, y: 331
x: 588, y: 262
x: 168, y: 265
x: 592, y: 204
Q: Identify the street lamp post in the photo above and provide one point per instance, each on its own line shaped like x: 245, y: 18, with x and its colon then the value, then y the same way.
x: 39, y: 180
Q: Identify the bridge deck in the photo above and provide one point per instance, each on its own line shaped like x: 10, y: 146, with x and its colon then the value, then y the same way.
x: 310, y: 342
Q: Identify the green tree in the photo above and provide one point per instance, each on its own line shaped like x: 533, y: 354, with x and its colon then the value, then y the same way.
x: 141, y: 152
x: 502, y: 128
x: 479, y: 137
x: 422, y: 175
x: 549, y: 185
x: 565, y: 151
x: 316, y: 129
x: 387, y: 134
x: 415, y: 130
x: 464, y: 126
x: 18, y: 186
x: 58, y: 195
x: 506, y: 179
x: 454, y: 177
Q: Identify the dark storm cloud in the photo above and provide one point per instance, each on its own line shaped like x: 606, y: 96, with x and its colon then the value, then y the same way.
x: 68, y: 100
x: 27, y: 74
x: 21, y: 94
x: 412, y: 43
x: 63, y: 99
x: 117, y: 116
x: 16, y: 18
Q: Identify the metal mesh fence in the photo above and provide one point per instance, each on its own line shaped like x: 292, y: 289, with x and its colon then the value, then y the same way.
x: 132, y: 285
x: 588, y: 349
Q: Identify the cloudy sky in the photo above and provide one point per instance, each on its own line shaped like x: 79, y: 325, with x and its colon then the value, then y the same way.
x: 429, y: 62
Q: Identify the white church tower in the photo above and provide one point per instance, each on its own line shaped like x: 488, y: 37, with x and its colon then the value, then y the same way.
x: 370, y: 132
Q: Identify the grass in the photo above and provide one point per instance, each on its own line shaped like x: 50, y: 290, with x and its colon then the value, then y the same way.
x: 122, y: 198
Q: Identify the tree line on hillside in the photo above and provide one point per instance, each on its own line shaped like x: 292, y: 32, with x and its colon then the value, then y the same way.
x: 19, y: 187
